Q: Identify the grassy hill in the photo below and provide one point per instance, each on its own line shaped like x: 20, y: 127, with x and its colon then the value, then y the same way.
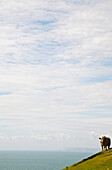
x: 99, y: 161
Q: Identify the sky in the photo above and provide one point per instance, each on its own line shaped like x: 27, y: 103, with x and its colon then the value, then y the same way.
x: 55, y: 74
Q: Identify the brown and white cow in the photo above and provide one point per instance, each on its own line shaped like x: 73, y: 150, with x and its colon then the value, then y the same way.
x: 105, y: 142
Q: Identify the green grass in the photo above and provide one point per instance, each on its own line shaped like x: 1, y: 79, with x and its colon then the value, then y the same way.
x: 99, y: 161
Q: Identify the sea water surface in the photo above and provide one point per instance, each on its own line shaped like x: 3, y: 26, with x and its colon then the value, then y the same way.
x: 39, y: 160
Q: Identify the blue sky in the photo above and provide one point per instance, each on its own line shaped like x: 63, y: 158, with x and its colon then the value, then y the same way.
x: 55, y: 74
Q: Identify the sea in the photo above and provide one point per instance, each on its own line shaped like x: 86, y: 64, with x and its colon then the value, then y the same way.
x: 39, y: 160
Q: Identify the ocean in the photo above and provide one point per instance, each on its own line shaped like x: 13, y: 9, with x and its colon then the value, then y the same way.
x: 39, y: 160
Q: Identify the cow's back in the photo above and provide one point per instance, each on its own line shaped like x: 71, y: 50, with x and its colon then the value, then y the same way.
x: 106, y: 141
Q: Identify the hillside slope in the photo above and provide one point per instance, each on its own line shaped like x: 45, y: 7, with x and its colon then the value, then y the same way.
x: 99, y: 161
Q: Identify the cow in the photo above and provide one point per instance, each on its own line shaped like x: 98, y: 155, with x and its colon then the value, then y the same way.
x: 105, y: 141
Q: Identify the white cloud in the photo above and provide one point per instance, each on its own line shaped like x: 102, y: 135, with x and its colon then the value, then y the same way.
x: 55, y: 65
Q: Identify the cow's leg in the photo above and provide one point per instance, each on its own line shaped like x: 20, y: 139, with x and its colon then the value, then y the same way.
x: 106, y: 148
x: 102, y: 148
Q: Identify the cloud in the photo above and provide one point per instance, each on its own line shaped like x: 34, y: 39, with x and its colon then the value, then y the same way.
x: 55, y: 65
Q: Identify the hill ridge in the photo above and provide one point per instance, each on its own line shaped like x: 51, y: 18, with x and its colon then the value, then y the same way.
x: 101, y: 160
